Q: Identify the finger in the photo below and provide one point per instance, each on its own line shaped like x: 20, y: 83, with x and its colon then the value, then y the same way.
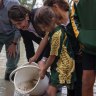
x: 41, y: 75
x: 30, y: 61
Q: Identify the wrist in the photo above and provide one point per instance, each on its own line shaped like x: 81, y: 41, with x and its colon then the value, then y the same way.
x: 35, y: 58
x: 44, y: 59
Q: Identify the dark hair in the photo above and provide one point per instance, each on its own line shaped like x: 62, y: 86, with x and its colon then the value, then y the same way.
x: 44, y: 15
x: 18, y: 13
x: 61, y: 3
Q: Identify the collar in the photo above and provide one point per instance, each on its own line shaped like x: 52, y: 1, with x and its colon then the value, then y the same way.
x: 66, y: 23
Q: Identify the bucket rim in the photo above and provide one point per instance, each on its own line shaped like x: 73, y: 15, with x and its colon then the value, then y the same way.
x: 27, y: 92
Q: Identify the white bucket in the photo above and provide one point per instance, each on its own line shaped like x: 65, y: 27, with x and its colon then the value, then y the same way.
x: 25, y: 76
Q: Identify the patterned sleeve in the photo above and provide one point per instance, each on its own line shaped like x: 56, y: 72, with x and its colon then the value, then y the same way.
x: 55, y: 43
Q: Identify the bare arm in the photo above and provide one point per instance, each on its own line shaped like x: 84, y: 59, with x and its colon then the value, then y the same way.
x: 40, y: 49
x: 49, y: 62
x: 44, y: 67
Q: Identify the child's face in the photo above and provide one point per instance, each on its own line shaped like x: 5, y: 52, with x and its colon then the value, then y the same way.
x: 59, y: 13
x: 24, y: 24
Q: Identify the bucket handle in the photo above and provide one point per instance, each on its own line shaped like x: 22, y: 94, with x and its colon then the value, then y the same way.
x: 17, y: 69
x: 35, y: 64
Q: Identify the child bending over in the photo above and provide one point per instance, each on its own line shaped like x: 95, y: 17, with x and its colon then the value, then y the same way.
x: 60, y: 60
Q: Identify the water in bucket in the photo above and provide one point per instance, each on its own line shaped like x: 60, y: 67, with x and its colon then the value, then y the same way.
x: 27, y: 81
x: 27, y: 85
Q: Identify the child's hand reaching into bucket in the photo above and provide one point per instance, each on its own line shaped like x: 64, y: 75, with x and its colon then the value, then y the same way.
x: 42, y: 69
x: 32, y: 59
x: 41, y: 66
x: 42, y: 74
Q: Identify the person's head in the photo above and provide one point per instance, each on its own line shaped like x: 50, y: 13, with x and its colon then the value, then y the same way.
x: 58, y: 6
x: 45, y: 18
x: 19, y: 16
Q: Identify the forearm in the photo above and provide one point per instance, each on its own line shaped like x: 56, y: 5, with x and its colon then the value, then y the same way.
x: 49, y: 61
x: 41, y: 47
x: 46, y: 51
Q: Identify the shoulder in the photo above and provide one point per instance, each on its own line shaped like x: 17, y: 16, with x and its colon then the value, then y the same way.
x: 9, y: 3
x: 57, y: 32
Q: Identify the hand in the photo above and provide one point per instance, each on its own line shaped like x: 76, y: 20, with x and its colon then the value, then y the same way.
x: 42, y: 69
x: 41, y: 64
x: 32, y: 59
x: 42, y: 74
x: 11, y: 50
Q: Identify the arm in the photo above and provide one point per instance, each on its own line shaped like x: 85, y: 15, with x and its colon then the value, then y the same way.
x: 17, y: 36
x: 40, y: 49
x: 8, y: 5
x: 49, y: 62
x: 44, y: 67
x: 55, y: 45
x: 12, y: 50
x: 27, y: 40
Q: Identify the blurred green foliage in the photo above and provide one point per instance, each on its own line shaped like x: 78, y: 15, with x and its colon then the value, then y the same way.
x: 28, y: 3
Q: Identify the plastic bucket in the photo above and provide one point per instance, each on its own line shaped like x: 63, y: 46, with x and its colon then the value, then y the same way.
x: 27, y: 80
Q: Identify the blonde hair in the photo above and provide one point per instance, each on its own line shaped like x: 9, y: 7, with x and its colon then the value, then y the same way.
x: 44, y: 15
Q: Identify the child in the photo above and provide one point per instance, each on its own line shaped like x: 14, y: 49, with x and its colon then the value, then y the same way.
x: 62, y: 10
x: 60, y: 59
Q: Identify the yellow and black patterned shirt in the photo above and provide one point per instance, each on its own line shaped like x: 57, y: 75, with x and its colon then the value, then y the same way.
x: 64, y: 62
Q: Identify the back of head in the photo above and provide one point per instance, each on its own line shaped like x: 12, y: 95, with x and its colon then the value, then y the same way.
x: 18, y: 13
x: 61, y: 3
x: 44, y: 15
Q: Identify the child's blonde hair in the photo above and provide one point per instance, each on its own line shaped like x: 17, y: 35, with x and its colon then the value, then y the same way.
x: 44, y: 15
